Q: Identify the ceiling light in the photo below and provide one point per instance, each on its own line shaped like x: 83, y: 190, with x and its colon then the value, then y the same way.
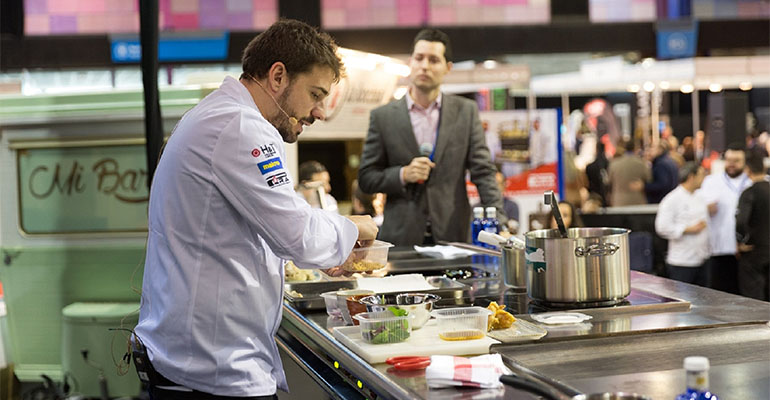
x: 648, y: 62
x: 633, y: 88
x: 715, y: 87
x: 745, y: 86
x: 664, y: 85
x: 687, y: 88
x: 649, y: 86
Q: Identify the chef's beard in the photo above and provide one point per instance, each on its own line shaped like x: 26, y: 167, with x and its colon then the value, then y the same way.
x: 283, y: 126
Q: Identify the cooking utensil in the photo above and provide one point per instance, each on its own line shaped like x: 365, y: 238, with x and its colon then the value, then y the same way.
x: 408, y: 363
x: 549, y: 198
x: 590, y: 265
x: 549, y: 393
x: 514, y: 263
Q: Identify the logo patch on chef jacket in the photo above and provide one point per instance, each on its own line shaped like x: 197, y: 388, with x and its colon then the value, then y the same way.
x: 278, y: 179
x: 268, y: 150
x: 255, y: 153
x: 270, y: 165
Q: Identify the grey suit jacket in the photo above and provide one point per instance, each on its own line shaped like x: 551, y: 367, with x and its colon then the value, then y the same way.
x: 390, y: 144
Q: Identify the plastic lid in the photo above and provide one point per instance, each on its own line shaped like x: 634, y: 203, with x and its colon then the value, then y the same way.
x: 561, y: 318
x: 696, y: 363
x: 478, y: 212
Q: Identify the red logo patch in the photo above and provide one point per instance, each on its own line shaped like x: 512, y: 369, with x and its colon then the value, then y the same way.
x: 255, y: 153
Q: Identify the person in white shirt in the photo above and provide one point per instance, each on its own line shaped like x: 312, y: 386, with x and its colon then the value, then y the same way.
x: 682, y: 219
x: 721, y: 192
x: 312, y: 175
x: 223, y: 215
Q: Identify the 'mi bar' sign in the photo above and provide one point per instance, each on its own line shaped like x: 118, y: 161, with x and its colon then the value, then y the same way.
x: 82, y: 189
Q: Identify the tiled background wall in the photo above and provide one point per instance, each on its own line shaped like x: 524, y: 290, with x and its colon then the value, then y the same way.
x: 67, y: 17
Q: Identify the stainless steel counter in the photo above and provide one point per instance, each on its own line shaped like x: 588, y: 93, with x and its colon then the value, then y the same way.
x: 618, y: 350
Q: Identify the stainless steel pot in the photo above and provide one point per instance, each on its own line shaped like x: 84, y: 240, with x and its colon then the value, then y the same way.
x: 513, y: 263
x: 514, y: 266
x: 589, y: 265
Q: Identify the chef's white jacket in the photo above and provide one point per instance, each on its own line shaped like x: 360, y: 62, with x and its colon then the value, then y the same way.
x: 222, y: 215
x: 677, y: 211
x: 725, y: 191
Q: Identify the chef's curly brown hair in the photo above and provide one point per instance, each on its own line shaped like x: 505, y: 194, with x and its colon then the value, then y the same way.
x: 299, y: 46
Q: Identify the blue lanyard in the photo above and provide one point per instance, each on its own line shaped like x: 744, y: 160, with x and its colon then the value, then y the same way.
x: 435, y: 141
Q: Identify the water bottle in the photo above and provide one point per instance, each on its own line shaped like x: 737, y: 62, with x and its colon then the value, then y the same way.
x: 476, y: 226
x: 697, y: 380
x: 491, y: 225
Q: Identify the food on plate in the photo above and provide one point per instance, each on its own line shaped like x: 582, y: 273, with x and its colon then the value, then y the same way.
x: 294, y: 293
x: 293, y: 273
x: 361, y: 265
x: 500, y: 319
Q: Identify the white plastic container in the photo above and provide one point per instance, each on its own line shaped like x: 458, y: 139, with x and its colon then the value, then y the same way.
x: 383, y: 327
x: 461, y: 323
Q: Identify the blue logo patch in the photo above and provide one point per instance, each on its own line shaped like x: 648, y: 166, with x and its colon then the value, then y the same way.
x: 270, y: 165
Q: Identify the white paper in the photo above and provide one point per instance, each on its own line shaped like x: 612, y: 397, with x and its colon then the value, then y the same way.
x: 396, y: 283
x: 444, y: 252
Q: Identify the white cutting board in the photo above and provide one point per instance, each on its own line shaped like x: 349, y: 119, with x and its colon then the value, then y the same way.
x: 421, y: 342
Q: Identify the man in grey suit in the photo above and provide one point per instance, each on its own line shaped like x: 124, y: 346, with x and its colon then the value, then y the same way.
x: 417, y: 152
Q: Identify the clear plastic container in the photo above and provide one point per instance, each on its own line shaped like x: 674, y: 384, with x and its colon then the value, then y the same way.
x: 461, y: 323
x: 383, y: 327
x: 330, y: 300
x: 369, y: 258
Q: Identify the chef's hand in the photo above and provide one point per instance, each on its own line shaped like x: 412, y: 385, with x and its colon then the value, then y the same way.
x: 367, y: 229
x: 418, y: 170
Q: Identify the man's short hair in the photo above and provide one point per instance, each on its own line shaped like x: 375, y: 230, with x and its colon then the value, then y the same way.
x: 688, y: 169
x: 755, y: 162
x: 435, y: 35
x: 308, y: 168
x: 299, y: 46
x: 736, y: 146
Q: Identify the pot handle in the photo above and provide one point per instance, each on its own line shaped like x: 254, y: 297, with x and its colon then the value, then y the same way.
x: 603, y: 249
x: 529, y: 386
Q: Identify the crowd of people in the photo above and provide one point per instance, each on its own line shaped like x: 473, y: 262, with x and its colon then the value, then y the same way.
x: 712, y: 208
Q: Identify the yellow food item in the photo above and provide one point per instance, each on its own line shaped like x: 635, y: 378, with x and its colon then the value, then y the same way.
x: 469, y: 334
x: 500, y: 319
x: 293, y: 273
x: 361, y: 265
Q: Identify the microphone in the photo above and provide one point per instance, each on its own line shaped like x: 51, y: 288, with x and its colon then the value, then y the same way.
x: 425, y: 150
x: 292, y: 120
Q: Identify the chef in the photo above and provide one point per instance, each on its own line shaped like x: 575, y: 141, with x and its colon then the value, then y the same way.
x: 223, y: 215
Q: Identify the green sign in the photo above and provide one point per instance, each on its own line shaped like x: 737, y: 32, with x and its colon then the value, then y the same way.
x: 82, y: 189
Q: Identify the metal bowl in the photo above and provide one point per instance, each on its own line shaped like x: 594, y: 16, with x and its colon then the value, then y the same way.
x: 418, y: 305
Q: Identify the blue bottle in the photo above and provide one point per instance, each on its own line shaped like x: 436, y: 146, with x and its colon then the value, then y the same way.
x: 491, y: 225
x: 697, y: 380
x: 476, y: 226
